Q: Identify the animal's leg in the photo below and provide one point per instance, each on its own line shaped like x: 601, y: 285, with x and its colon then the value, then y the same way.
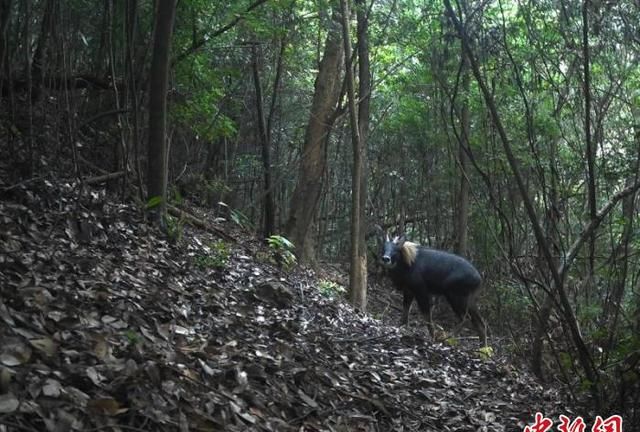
x: 426, y: 306
x: 465, y: 307
x: 478, y: 323
x: 459, y: 306
x: 407, y: 300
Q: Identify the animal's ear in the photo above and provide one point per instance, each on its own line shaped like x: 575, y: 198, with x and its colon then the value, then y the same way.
x: 401, y: 240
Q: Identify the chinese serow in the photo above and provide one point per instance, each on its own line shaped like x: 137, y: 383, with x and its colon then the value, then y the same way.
x: 420, y: 273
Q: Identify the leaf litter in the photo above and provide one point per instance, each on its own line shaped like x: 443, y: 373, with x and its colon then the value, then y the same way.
x: 105, y: 325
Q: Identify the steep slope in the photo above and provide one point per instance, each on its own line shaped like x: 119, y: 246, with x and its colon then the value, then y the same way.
x: 104, y: 325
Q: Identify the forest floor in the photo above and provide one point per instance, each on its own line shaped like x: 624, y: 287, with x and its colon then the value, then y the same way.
x: 105, y: 325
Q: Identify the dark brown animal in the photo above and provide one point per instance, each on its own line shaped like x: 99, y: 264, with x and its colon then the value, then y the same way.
x: 420, y: 273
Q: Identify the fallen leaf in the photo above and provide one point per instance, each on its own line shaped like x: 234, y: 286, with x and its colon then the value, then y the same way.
x: 9, y: 360
x: 307, y: 399
x: 14, y: 353
x: 52, y: 388
x: 5, y: 379
x: 8, y: 403
x: 94, y: 376
x: 5, y: 315
x: 45, y: 344
x: 105, y: 406
x: 101, y: 348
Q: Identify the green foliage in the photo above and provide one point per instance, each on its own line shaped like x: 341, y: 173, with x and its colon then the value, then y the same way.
x: 486, y: 352
x: 241, y: 219
x: 133, y: 338
x: 510, y: 296
x: 281, y: 250
x: 154, y: 202
x: 590, y: 312
x: 452, y: 341
x: 203, y: 190
x: 247, y: 164
x: 176, y: 197
x: 566, y: 361
x: 217, y: 257
x: 175, y: 228
x: 330, y: 288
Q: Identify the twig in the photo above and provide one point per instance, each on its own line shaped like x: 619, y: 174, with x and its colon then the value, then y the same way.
x: 17, y: 426
x: 199, y: 223
x: 103, y: 178
x: 22, y: 183
x: 366, y: 339
x: 115, y: 427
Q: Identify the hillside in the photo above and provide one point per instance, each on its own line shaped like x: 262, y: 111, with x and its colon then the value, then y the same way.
x: 107, y: 326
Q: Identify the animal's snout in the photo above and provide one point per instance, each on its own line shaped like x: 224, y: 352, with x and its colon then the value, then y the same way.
x: 386, y: 259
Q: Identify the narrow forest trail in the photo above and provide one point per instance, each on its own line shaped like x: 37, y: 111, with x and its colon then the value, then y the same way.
x: 106, y: 326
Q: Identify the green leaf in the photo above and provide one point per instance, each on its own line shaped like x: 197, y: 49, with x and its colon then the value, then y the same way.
x: 154, y: 202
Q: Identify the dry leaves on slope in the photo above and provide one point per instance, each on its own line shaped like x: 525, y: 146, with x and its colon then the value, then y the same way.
x: 105, y: 325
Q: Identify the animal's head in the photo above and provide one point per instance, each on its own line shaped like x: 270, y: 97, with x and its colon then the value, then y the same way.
x: 398, y: 251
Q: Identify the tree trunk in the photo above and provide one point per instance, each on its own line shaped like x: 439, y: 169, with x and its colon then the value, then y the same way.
x: 39, y: 56
x: 613, y: 305
x: 275, y: 142
x: 364, y: 93
x: 591, y: 179
x: 304, y: 201
x: 552, y: 220
x: 5, y: 14
x: 158, y: 83
x: 268, y: 205
x: 358, y: 270
x: 584, y: 355
x: 462, y: 217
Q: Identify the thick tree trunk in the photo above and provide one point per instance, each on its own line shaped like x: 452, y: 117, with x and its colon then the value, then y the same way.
x: 304, y: 202
x: 158, y: 83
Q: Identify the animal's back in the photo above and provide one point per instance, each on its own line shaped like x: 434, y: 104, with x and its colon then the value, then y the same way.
x: 442, y: 271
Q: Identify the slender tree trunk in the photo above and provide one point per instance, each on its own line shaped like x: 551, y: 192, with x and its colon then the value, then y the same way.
x: 158, y: 84
x: 39, y: 55
x: 620, y: 263
x: 5, y: 14
x: 304, y: 201
x: 358, y: 270
x: 552, y: 220
x: 364, y: 92
x: 462, y: 217
x: 268, y: 205
x: 28, y: 9
x: 591, y: 175
x: 584, y: 355
x: 275, y: 142
x: 131, y: 24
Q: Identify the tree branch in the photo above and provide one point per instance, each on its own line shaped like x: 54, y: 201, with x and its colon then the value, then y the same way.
x: 588, y: 230
x: 196, y: 45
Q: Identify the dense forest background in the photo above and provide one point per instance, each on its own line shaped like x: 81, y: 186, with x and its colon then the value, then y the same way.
x: 506, y: 131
